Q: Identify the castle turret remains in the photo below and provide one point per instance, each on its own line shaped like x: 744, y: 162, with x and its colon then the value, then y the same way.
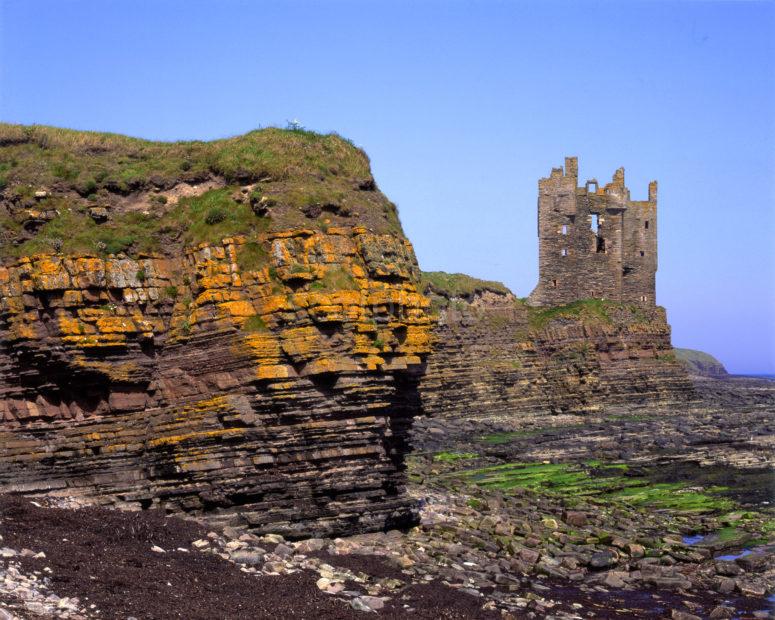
x: 594, y: 242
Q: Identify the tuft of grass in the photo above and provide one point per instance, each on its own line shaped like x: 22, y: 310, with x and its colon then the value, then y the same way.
x: 255, y: 323
x: 215, y: 215
x: 474, y: 503
x: 171, y: 292
x: 252, y: 256
x: 335, y: 279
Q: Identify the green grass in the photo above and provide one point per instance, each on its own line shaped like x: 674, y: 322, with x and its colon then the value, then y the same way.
x: 91, y: 161
x: 295, y: 168
x: 252, y: 256
x: 74, y: 232
x: 255, y: 323
x: 699, y: 361
x: 673, y: 496
x: 509, y: 436
x: 594, y: 310
x: 335, y: 279
x: 457, y: 285
x: 195, y: 216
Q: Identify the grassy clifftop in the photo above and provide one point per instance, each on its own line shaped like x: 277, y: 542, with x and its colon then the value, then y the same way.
x: 459, y: 285
x: 458, y: 290
x: 74, y: 191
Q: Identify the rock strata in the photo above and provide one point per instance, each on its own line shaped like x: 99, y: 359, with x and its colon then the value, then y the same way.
x: 495, y: 357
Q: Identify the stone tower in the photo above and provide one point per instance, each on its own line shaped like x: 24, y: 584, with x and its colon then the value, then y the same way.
x: 594, y: 242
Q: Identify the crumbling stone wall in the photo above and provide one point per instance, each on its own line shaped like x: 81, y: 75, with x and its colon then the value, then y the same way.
x: 594, y: 242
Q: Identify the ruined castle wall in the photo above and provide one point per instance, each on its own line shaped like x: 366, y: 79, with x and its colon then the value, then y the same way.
x: 556, y: 213
x: 640, y: 256
x: 594, y: 242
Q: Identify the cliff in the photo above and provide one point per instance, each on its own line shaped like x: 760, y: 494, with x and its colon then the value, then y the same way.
x: 231, y: 328
x: 495, y: 356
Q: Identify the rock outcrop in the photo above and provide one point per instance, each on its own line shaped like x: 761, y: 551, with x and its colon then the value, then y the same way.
x: 495, y: 357
x: 266, y: 379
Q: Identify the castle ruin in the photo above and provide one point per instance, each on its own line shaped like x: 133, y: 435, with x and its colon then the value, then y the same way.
x: 594, y: 242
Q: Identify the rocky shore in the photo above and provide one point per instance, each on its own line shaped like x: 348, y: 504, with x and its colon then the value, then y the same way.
x: 638, y: 513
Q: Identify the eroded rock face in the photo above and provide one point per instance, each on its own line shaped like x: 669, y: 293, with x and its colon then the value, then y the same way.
x: 489, y: 361
x: 269, y: 383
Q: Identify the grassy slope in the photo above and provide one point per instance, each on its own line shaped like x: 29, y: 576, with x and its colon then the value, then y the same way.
x: 445, y: 288
x: 458, y: 285
x: 295, y: 171
x: 700, y: 362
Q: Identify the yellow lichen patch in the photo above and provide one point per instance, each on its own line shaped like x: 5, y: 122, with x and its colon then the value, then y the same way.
x: 273, y: 303
x: 273, y: 371
x: 217, y: 403
x: 263, y: 345
x: 300, y: 341
x: 116, y: 325
x: 417, y: 339
x: 69, y: 326
x: 363, y: 344
x: 214, y: 296
x: 221, y: 280
x: 294, y: 232
x: 23, y: 331
x: 329, y: 365
x: 373, y: 362
x: 242, y: 308
x: 120, y: 372
x: 177, y: 439
x: 48, y: 265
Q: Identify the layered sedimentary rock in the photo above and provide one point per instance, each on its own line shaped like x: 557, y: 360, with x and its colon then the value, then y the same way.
x: 267, y: 380
x: 496, y: 357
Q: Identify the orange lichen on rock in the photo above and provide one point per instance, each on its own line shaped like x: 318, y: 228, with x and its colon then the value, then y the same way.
x: 198, y: 372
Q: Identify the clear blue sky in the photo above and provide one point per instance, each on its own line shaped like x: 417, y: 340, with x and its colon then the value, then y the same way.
x: 462, y: 106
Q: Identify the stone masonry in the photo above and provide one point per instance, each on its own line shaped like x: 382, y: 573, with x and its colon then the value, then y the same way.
x: 594, y: 242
